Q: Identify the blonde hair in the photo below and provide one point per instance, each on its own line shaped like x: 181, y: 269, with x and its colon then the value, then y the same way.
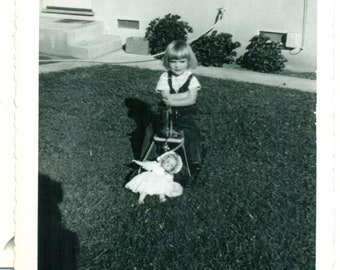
x: 179, y: 49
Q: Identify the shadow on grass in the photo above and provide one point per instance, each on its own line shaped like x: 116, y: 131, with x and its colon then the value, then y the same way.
x: 146, y: 121
x: 57, y: 246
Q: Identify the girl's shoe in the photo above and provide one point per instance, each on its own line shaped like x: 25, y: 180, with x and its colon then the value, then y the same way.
x: 195, y: 169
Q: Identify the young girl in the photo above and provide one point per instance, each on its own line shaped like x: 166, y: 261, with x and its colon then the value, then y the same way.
x: 158, y: 177
x: 179, y: 88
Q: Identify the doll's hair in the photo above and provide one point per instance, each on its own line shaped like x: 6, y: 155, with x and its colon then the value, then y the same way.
x: 179, y: 49
x: 179, y: 163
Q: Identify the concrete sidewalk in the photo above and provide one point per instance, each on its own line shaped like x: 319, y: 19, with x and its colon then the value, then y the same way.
x: 228, y: 73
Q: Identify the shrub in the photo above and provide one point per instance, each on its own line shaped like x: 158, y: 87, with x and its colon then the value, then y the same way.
x: 161, y: 32
x: 263, y: 55
x: 215, y: 49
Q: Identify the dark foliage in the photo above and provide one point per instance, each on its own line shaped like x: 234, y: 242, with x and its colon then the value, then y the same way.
x: 162, y: 31
x: 263, y: 55
x: 252, y: 208
x: 215, y: 49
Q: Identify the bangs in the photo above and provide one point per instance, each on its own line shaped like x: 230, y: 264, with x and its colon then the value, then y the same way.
x: 178, y: 53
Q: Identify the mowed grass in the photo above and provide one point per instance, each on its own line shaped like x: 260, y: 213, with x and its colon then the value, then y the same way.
x: 252, y: 208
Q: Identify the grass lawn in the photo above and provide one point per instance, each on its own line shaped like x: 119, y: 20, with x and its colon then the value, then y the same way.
x: 253, y: 206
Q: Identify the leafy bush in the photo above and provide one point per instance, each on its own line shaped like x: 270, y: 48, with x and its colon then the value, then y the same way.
x: 161, y: 32
x: 215, y: 49
x: 263, y: 55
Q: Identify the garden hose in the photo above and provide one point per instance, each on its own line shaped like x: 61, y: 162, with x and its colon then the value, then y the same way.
x: 303, y: 33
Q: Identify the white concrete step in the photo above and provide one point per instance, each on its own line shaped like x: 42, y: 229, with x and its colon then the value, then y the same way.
x: 96, y: 47
x: 75, y: 38
x: 85, y: 32
x: 77, y: 30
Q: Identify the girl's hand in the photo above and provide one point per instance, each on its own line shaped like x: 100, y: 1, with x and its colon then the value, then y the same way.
x: 166, y: 101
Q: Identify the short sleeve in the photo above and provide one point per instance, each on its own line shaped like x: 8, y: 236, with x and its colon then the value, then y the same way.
x: 194, y: 83
x: 162, y: 83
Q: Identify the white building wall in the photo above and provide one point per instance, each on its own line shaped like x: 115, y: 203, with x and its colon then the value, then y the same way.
x: 242, y: 18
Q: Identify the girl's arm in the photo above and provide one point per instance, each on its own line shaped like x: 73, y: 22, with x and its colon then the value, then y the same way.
x: 180, y: 96
x: 181, y: 99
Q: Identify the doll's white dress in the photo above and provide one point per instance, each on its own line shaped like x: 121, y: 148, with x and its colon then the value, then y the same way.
x: 154, y: 181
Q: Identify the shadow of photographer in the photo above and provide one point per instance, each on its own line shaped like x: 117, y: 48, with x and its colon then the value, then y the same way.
x: 57, y: 247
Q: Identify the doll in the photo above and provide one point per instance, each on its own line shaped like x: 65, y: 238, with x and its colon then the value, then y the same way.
x: 158, y: 177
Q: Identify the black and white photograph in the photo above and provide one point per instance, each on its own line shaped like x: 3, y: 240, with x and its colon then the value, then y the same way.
x: 172, y: 135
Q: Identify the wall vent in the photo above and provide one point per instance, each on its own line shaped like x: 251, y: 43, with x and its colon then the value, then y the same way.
x: 288, y: 40
x: 275, y: 36
x: 129, y: 24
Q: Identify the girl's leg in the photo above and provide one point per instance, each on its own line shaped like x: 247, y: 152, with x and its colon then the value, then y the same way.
x: 193, y: 148
x: 192, y: 144
x: 192, y: 136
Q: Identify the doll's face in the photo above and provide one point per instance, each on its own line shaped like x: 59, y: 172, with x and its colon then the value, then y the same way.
x: 169, y: 163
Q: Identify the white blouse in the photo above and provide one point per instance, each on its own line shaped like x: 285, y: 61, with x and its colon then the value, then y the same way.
x: 177, y: 81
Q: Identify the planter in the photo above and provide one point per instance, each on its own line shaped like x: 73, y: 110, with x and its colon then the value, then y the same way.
x: 137, y: 45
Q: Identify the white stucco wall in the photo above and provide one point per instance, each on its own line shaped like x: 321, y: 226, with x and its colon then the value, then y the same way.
x: 242, y: 18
